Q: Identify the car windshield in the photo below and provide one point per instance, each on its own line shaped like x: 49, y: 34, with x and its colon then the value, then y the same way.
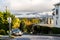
x: 15, y: 30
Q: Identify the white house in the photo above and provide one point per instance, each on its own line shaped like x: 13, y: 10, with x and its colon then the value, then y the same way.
x: 56, y: 15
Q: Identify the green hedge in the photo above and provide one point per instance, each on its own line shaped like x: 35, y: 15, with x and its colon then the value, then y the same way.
x: 2, y: 32
x: 55, y: 30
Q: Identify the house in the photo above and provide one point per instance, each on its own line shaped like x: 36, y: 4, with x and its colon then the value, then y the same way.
x: 56, y: 15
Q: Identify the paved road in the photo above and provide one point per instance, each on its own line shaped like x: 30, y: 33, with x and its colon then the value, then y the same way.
x: 35, y: 37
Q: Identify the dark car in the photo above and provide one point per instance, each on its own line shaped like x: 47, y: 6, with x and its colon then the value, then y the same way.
x: 16, y: 32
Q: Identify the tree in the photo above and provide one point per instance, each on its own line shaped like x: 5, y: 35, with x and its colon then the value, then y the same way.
x: 16, y: 23
x: 35, y: 21
x: 4, y: 25
x: 1, y: 19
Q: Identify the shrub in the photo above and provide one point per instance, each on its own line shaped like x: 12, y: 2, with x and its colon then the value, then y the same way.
x: 55, y: 30
x: 2, y: 32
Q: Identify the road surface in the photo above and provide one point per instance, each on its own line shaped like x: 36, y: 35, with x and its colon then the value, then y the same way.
x: 35, y: 37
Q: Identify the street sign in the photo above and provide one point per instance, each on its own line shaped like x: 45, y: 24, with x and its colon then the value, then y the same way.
x: 9, y: 19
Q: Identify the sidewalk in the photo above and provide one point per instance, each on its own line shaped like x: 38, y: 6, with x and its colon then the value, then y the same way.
x: 57, y: 35
x: 6, y: 37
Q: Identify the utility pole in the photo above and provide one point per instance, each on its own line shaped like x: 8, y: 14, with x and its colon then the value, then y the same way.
x: 9, y: 21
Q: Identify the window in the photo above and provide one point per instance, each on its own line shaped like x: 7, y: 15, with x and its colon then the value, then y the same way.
x: 56, y: 17
x: 50, y: 20
x: 53, y: 13
x: 56, y: 22
x: 56, y: 11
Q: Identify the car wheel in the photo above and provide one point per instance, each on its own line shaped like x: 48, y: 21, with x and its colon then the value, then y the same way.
x: 20, y: 35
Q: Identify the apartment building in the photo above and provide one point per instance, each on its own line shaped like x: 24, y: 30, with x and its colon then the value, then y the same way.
x: 56, y: 15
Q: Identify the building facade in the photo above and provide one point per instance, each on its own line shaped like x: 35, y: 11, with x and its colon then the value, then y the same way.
x: 56, y: 15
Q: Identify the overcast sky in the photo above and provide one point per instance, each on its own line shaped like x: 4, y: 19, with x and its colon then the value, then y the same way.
x: 28, y: 5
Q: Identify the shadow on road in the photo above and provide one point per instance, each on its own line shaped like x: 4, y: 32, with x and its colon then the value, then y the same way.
x: 17, y: 39
x: 22, y: 39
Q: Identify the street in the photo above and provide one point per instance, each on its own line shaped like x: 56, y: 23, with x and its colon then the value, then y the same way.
x: 34, y: 37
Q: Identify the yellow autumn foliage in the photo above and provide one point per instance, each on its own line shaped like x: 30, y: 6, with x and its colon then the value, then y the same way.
x: 28, y: 22
x: 16, y: 23
x: 35, y: 21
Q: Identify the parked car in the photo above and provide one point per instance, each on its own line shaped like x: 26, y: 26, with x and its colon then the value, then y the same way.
x: 16, y: 32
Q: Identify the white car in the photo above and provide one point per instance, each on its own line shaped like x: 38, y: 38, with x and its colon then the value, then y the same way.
x: 16, y: 32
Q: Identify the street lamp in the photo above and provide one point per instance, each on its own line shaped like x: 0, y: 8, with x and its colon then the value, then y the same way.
x: 9, y: 21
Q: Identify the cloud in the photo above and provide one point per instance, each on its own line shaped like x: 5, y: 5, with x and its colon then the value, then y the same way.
x: 30, y: 5
x: 45, y: 5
